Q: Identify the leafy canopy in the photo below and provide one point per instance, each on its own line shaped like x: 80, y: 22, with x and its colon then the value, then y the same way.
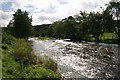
x: 22, y: 26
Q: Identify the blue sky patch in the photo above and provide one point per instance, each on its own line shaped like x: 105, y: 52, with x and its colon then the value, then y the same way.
x: 32, y: 8
x: 29, y: 6
x: 6, y: 6
x: 96, y: 5
x: 62, y: 2
x: 7, y: 1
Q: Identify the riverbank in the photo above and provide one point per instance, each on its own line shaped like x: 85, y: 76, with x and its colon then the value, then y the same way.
x: 106, y: 41
x: 45, y: 38
x: 108, y: 38
x: 19, y: 61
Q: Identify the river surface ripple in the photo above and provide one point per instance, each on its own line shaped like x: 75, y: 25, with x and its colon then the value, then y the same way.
x: 80, y: 60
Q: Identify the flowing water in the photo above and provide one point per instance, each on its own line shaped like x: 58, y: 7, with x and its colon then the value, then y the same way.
x: 80, y: 60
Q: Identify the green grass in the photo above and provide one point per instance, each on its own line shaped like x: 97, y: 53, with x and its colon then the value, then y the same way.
x: 22, y: 52
x: 0, y: 61
x: 0, y: 69
x: 45, y: 38
x: 18, y: 60
x: 108, y: 36
x: 37, y: 71
x: 13, y: 69
x: 105, y: 38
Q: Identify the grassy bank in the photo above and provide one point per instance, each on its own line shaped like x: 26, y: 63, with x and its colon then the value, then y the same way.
x: 45, y: 38
x: 106, y: 38
x: 18, y: 60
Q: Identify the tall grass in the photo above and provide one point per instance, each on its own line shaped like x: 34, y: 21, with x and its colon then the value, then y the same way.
x: 23, y: 52
x: 18, y: 60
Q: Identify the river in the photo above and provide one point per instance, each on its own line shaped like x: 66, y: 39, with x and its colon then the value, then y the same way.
x: 80, y: 60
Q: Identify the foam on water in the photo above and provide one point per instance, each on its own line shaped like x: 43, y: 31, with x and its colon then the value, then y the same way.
x: 79, y: 60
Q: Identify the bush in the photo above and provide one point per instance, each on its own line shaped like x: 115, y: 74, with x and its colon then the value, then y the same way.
x: 10, y: 68
x: 23, y: 52
x: 13, y: 69
x: 36, y: 71
x: 7, y: 38
x: 51, y: 64
x: 48, y: 63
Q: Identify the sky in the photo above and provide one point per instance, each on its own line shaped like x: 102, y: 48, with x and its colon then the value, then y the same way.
x: 47, y: 11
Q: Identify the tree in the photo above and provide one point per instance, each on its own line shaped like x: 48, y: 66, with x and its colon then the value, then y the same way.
x: 50, y: 31
x: 107, y: 22
x: 81, y: 28
x: 22, y: 27
x: 114, y: 9
x: 56, y: 29
x: 92, y: 26
x: 70, y: 28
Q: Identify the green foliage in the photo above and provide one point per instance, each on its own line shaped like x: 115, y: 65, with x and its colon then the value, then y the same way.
x: 93, y: 26
x: 18, y: 61
x: 13, y: 69
x: 0, y: 66
x: 48, y: 63
x: 36, y: 71
x: 44, y: 38
x: 7, y: 38
x: 108, y: 36
x: 63, y: 29
x: 51, y: 64
x: 50, y: 31
x: 10, y: 68
x: 114, y: 9
x: 40, y: 30
x: 23, y: 52
x: 88, y: 26
x: 22, y: 27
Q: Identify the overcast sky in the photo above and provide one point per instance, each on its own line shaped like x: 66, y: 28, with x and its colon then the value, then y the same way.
x: 47, y: 11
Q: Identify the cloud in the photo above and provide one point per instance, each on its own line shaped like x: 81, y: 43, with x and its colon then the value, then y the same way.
x: 44, y: 18
x: 47, y: 11
x: 5, y: 17
x: 70, y: 7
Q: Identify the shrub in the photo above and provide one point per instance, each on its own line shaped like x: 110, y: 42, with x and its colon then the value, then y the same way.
x: 48, y: 63
x: 7, y: 38
x: 22, y: 52
x: 10, y: 68
x: 51, y: 64
x: 44, y: 38
x: 36, y: 71
x: 0, y: 68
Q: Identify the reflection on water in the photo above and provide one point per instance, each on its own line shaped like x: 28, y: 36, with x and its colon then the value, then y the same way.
x: 80, y: 60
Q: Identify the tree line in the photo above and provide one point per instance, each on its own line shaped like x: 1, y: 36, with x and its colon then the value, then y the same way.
x: 82, y: 26
x: 85, y: 26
